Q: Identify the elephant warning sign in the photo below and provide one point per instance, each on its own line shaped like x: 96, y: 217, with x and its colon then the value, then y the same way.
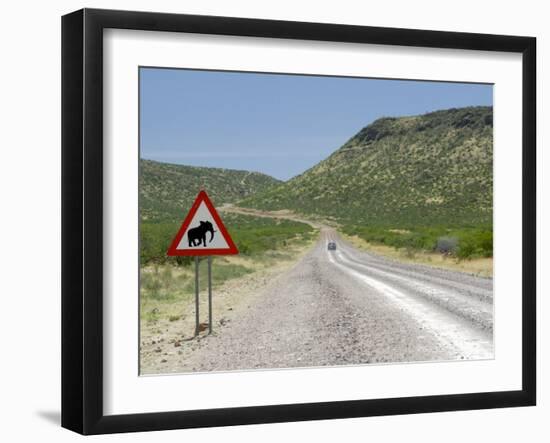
x: 202, y: 232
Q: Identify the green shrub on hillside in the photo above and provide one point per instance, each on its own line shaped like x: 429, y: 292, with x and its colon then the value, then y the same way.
x: 167, y: 191
x: 427, y: 170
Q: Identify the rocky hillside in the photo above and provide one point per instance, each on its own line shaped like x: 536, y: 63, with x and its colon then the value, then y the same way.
x: 432, y: 169
x: 167, y: 191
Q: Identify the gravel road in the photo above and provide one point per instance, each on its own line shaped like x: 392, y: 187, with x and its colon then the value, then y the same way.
x: 351, y: 307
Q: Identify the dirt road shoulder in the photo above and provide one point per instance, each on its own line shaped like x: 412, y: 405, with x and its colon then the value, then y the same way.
x: 164, y: 340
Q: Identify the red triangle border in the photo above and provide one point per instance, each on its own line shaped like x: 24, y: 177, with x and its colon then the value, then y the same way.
x: 174, y: 252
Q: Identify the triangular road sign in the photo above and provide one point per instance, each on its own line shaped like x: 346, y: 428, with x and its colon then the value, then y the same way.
x: 202, y: 232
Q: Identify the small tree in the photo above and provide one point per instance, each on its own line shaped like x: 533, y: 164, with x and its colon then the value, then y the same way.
x: 446, y: 245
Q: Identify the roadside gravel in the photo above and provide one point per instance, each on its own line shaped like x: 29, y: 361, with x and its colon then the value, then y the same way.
x: 315, y: 316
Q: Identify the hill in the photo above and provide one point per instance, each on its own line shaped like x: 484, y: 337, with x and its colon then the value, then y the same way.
x: 166, y: 191
x: 432, y: 170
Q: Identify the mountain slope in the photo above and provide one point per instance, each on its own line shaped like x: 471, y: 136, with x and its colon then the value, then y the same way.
x: 432, y: 169
x: 167, y: 191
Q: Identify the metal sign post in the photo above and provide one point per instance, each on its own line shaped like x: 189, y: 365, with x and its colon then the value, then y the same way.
x: 196, y: 296
x: 197, y: 291
x: 210, y: 294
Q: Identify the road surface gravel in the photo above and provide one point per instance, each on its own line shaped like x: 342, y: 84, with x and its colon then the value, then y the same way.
x: 347, y: 307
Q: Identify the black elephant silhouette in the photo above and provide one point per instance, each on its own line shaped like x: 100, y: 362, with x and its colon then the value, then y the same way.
x: 197, y: 235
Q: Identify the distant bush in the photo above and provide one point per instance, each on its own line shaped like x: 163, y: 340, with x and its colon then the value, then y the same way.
x: 154, y: 241
x: 446, y: 245
x: 462, y: 243
x: 475, y: 244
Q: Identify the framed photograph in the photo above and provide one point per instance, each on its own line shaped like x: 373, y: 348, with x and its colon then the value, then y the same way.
x: 268, y: 221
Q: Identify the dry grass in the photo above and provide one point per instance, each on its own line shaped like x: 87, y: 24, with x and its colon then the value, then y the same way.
x: 482, y: 267
x: 175, y: 297
x: 168, y: 322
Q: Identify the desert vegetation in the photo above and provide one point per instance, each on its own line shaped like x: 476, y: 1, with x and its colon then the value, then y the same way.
x: 166, y: 190
x: 460, y: 243
x: 253, y: 236
x: 261, y: 243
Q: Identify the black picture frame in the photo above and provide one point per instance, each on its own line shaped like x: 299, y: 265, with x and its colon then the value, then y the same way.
x: 82, y: 215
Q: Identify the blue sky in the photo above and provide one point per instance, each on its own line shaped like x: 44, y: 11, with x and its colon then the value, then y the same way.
x: 280, y: 125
